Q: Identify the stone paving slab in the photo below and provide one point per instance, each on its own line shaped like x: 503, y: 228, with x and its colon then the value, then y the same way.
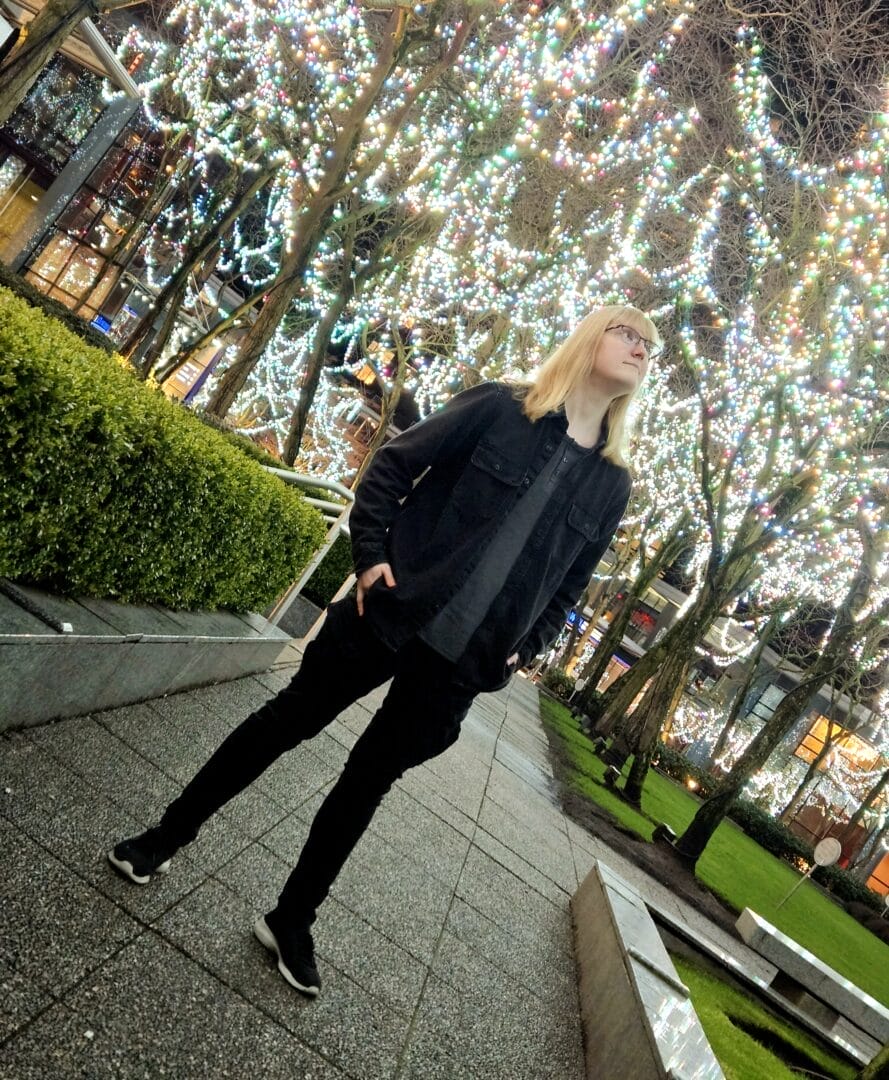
x: 56, y: 929
x: 151, y: 1011
x: 445, y: 948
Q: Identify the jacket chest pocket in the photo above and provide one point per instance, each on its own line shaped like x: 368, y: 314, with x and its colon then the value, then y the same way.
x: 584, y: 524
x: 489, y: 480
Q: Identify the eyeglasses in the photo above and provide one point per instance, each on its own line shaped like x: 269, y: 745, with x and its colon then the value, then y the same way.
x: 633, y: 338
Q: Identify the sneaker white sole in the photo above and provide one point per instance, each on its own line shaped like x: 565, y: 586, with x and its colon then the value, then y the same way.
x: 127, y: 869
x: 267, y: 938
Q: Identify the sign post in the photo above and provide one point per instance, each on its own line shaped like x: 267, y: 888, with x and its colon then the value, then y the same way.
x: 827, y: 851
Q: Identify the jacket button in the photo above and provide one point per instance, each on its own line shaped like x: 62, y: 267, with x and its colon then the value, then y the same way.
x: 497, y: 466
x: 548, y: 449
x: 526, y: 482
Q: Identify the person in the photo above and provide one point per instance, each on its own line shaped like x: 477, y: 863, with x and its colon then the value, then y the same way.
x: 473, y: 532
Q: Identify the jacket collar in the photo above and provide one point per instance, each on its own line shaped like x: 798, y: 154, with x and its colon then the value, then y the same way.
x: 560, y: 421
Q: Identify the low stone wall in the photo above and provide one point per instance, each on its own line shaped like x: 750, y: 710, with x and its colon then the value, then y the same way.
x: 62, y: 658
x: 839, y: 1007
x: 637, y: 1016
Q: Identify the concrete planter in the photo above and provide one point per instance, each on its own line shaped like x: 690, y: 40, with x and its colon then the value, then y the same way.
x: 61, y: 657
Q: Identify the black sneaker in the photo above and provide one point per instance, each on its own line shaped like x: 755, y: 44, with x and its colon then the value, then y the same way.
x: 295, y: 951
x: 141, y: 857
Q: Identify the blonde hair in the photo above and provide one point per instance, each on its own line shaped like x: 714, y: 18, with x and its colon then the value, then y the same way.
x: 564, y: 369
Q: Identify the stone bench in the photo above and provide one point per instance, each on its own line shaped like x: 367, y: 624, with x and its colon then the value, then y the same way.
x: 811, y: 985
x: 638, y: 1019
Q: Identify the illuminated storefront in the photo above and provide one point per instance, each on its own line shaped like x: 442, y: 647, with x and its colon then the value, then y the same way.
x: 82, y: 177
x: 851, y: 763
x: 95, y: 239
x: 40, y: 139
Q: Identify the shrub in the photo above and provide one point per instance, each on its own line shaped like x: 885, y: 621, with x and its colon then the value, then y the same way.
x: 557, y: 682
x: 770, y: 833
x: 335, y: 567
x: 242, y: 442
x: 677, y: 766
x: 846, y: 887
x: 110, y: 490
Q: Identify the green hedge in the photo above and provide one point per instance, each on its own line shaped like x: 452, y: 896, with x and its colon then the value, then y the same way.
x: 111, y: 490
x: 558, y: 683
x: 677, y: 766
x: 770, y: 833
x: 847, y: 887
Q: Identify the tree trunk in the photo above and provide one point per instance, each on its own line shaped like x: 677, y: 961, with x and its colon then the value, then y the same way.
x: 868, y: 801
x: 847, y: 631
x: 599, y: 607
x: 196, y: 253
x: 871, y: 854
x: 878, y: 1069
x: 601, y: 658
x: 706, y: 821
x: 698, y: 834
x: 311, y: 377
x: 623, y: 692
x: 190, y: 351
x: 387, y: 410
x: 568, y: 653
x: 657, y: 709
x: 158, y: 343
x: 44, y: 36
x: 808, y: 781
x: 632, y: 732
x: 310, y: 225
x: 680, y: 640
x: 287, y: 286
x: 613, y: 636
x: 351, y: 286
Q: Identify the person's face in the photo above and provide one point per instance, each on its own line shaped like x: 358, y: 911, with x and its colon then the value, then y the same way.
x: 622, y: 360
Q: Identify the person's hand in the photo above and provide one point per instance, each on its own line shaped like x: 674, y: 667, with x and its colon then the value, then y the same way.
x: 513, y: 660
x: 367, y: 577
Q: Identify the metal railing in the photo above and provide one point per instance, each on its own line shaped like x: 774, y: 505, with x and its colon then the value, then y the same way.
x: 336, y: 514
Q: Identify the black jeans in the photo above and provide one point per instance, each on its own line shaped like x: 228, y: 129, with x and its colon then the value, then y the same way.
x: 419, y: 719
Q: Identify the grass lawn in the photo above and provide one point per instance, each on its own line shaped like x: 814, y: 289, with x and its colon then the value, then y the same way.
x: 751, y: 1042
x: 733, y: 866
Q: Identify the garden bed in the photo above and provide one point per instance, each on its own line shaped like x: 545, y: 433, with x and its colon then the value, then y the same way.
x: 733, y: 873
x: 750, y: 1041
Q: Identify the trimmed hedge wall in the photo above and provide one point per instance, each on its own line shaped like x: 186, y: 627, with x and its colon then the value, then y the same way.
x: 111, y: 490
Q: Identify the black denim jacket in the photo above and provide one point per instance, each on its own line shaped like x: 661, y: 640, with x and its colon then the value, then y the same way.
x: 433, y: 498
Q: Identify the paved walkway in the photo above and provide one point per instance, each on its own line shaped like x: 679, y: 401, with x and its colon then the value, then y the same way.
x: 445, y: 949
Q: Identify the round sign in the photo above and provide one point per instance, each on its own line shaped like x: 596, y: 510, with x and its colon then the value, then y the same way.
x: 827, y: 851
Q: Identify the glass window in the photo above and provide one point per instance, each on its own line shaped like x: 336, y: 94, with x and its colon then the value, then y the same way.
x: 76, y: 262
x: 642, y: 623
x: 18, y: 195
x: 858, y: 755
x: 769, y: 700
x: 655, y: 601
x: 61, y: 107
